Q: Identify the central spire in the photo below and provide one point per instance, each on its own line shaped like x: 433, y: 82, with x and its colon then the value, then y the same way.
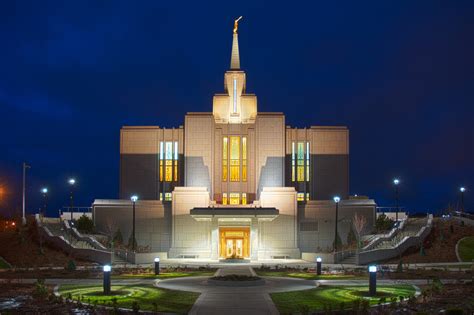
x: 235, y: 57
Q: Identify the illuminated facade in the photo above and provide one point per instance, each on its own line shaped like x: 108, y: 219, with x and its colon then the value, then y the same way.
x: 235, y: 182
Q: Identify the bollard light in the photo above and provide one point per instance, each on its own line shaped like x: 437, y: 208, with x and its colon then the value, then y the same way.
x: 318, y: 266
x: 372, y: 280
x: 157, y: 266
x: 107, y: 270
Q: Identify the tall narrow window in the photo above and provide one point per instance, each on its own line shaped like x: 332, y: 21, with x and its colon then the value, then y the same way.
x: 293, y: 162
x: 307, y: 161
x: 168, y: 161
x: 300, y: 196
x: 161, y: 160
x: 300, y: 162
x: 244, y: 198
x: 234, y: 198
x: 244, y: 159
x: 175, y: 154
x: 235, y: 96
x: 224, y: 198
x: 234, y: 159
x: 224, y: 158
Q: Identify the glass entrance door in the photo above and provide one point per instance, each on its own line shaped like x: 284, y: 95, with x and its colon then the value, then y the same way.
x: 234, y: 242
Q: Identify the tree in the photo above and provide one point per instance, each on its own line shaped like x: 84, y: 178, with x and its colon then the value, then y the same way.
x: 85, y: 224
x: 359, y: 223
x: 118, y: 238
x: 383, y: 223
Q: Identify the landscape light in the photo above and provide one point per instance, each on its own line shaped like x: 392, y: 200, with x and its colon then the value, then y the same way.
x: 106, y: 284
x: 44, y: 190
x: 157, y: 266
x: 318, y: 266
x: 372, y: 280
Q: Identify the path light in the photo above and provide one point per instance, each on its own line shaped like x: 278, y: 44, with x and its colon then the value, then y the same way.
x: 336, y: 200
x: 134, y: 199
x: 157, y: 266
x: 318, y: 266
x: 107, y: 269
x: 462, y: 190
x: 372, y: 280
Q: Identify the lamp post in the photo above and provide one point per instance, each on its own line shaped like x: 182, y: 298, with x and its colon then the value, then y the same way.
x: 462, y: 190
x: 23, y: 218
x: 71, y: 182
x: 336, y: 200
x: 157, y: 266
x: 318, y: 266
x: 106, y: 285
x: 44, y: 191
x: 134, y: 199
x: 396, y: 181
x: 372, y: 280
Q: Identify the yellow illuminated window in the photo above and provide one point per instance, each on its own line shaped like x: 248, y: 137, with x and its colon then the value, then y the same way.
x: 224, y: 198
x: 168, y: 161
x: 234, y: 198
x: 300, y: 162
x: 161, y: 196
x: 168, y: 170
x: 307, y: 196
x: 161, y: 161
x: 224, y: 158
x: 293, y: 162
x: 300, y: 197
x: 244, y: 198
x: 175, y: 155
x: 168, y: 196
x: 244, y: 159
x: 234, y: 159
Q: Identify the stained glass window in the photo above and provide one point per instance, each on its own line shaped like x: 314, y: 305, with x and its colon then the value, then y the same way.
x: 293, y: 162
x: 224, y: 198
x: 234, y: 198
x: 244, y: 159
x: 307, y: 161
x: 224, y: 158
x: 234, y: 159
x: 244, y: 198
x: 300, y: 162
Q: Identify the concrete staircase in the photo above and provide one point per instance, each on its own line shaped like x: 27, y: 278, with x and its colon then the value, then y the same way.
x: 349, y: 260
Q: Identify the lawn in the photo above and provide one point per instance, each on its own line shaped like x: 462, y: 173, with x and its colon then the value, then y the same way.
x: 164, y: 275
x: 148, y: 297
x: 334, y: 297
x: 466, y: 248
x: 307, y: 275
x: 3, y: 264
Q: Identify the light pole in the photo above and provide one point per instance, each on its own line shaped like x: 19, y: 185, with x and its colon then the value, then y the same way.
x: 396, y: 181
x: 318, y: 266
x: 134, y: 199
x: 336, y: 200
x: 25, y: 167
x: 71, y: 182
x: 372, y: 280
x: 462, y: 190
x: 44, y: 191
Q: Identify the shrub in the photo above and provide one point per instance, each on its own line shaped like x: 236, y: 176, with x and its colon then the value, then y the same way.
x: 85, y: 224
x: 454, y: 311
x: 71, y: 265
x: 40, y: 292
x: 304, y: 309
x: 135, y: 307
x: 383, y: 223
x: 351, y: 238
x: 118, y: 238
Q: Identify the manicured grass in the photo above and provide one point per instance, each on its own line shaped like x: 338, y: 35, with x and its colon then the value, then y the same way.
x: 307, y: 275
x: 145, y: 295
x: 164, y: 275
x: 466, y: 249
x: 3, y: 264
x: 333, y: 296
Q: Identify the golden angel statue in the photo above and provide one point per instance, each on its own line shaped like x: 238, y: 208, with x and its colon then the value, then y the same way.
x: 236, y: 24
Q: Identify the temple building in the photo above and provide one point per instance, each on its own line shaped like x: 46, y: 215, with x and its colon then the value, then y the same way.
x: 234, y: 182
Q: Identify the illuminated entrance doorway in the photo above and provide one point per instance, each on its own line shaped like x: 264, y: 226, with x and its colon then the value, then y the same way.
x: 234, y: 242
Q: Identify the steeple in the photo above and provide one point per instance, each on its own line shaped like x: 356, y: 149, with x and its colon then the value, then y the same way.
x: 235, y: 58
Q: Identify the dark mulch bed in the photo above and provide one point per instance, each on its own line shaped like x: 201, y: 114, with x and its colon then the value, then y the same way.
x: 236, y: 278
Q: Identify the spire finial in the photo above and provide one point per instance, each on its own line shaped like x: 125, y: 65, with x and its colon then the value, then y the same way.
x: 236, y: 24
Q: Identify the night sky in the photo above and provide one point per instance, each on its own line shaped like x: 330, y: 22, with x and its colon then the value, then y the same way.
x: 399, y: 74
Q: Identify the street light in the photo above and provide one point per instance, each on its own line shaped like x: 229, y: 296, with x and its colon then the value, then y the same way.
x: 318, y: 266
x: 462, y: 190
x: 396, y: 181
x: 106, y: 285
x: 134, y: 199
x: 157, y: 266
x: 71, y: 182
x: 336, y: 200
x: 372, y: 280
x: 44, y: 191
x: 25, y: 167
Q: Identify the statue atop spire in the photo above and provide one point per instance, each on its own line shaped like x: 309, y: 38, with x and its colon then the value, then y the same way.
x: 236, y: 24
